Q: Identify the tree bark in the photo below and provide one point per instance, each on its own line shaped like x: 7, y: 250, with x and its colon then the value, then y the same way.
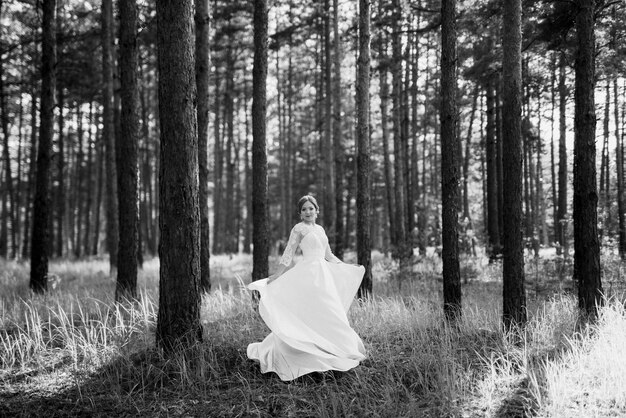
x: 586, y: 245
x: 384, y: 98
x: 561, y: 222
x: 39, y: 243
x: 178, y: 323
x: 230, y: 235
x: 604, y: 161
x: 60, y: 159
x: 78, y: 195
x: 247, y: 240
x: 328, y: 192
x: 363, y: 204
x: 31, y: 174
x: 91, y: 144
x: 513, y: 293
x: 493, y: 228
x: 9, y: 202
x: 450, y: 175
x: 202, y: 84
x: 619, y: 151
x: 400, y: 250
x: 218, y: 224
x: 126, y: 145
x: 101, y: 155
x: 466, y: 157
x: 260, y: 231
x: 108, y: 133
x: 337, y: 137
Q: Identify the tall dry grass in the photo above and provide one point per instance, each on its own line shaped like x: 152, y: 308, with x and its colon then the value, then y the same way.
x: 77, y: 343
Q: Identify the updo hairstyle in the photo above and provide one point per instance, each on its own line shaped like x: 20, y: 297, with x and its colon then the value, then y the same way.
x: 307, y: 198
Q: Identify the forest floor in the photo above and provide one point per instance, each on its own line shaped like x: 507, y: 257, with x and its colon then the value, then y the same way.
x: 74, y: 352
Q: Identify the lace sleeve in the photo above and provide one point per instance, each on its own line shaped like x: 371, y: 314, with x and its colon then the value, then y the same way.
x: 292, y: 245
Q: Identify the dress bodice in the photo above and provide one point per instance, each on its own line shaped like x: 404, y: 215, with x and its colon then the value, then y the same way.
x: 311, y: 239
x: 314, y: 242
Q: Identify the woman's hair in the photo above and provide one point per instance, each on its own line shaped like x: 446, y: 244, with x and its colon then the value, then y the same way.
x: 307, y: 198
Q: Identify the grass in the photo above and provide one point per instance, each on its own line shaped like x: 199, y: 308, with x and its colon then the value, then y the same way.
x: 76, y: 352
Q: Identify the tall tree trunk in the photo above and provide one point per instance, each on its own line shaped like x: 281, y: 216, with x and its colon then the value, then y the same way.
x: 19, y: 204
x: 260, y: 231
x: 229, y: 114
x: 218, y: 224
x: 31, y: 173
x: 337, y: 137
x: 384, y: 98
x: 127, y: 158
x: 415, y: 175
x: 449, y: 164
x: 78, y: 197
x: 500, y: 177
x: 466, y: 157
x: 541, y: 221
x: 9, y: 203
x: 202, y: 84
x: 363, y: 204
x: 108, y: 132
x: 60, y: 192
x: 513, y: 293
x: 404, y: 136
x: 586, y: 245
x: 604, y: 161
x: 493, y: 228
x: 178, y: 323
x: 39, y: 244
x: 619, y: 151
x: 329, y: 210
x: 247, y: 241
x: 561, y: 222
x: 398, y: 151
x: 91, y: 144
x: 553, y: 176
x: 285, y: 204
x: 101, y: 156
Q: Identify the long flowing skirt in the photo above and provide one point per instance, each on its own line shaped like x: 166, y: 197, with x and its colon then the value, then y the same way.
x: 305, y: 309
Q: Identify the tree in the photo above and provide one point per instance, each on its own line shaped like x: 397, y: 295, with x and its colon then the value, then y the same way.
x: 363, y: 200
x: 260, y: 230
x: 108, y: 133
x: 10, y: 198
x: 619, y: 163
x: 126, y: 146
x: 337, y: 136
x: 586, y: 243
x: 329, y: 211
x: 560, y: 224
x: 41, y: 208
x: 202, y: 84
x: 401, y: 250
x: 493, y: 229
x: 450, y: 175
x: 513, y: 294
x: 178, y: 322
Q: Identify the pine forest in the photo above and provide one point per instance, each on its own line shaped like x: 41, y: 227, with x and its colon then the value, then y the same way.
x: 469, y: 155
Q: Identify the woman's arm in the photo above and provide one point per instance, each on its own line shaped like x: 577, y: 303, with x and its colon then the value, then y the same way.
x: 285, y: 261
x: 329, y: 256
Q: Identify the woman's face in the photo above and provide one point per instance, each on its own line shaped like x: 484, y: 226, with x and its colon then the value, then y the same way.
x: 308, y: 213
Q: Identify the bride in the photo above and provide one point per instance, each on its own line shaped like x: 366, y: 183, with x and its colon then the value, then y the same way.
x: 305, y: 307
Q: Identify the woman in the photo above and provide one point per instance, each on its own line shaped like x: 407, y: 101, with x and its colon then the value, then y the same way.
x: 306, y: 306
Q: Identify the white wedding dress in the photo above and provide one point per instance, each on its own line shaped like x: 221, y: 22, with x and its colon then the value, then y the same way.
x: 306, y: 310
